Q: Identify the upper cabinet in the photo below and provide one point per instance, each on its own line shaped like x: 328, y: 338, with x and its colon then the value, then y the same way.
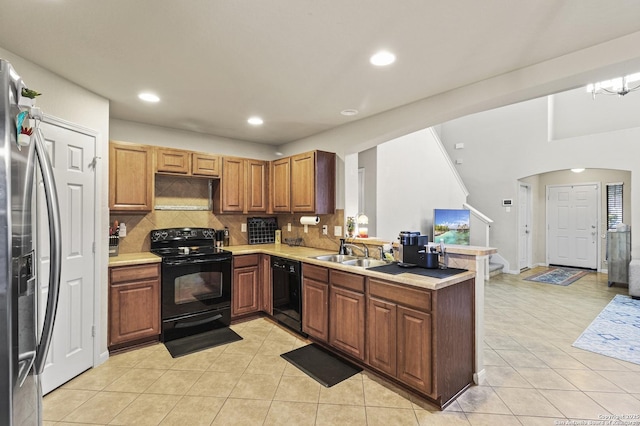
x: 229, y: 191
x: 303, y: 183
x: 281, y: 185
x: 243, y: 186
x: 257, y: 184
x: 187, y: 163
x: 205, y: 164
x: 173, y: 161
x: 313, y: 182
x: 130, y: 177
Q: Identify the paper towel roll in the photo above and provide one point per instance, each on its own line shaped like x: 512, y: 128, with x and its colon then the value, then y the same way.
x: 309, y: 220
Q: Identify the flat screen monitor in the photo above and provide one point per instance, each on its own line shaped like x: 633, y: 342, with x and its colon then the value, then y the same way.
x: 451, y: 226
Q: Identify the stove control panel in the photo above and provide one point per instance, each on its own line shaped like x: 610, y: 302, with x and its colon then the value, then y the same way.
x: 182, y: 234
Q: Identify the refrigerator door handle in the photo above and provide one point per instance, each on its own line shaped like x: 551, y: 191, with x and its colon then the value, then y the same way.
x: 25, y: 361
x: 53, y: 210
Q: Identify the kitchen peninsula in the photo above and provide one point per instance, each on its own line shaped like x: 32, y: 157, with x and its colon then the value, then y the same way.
x: 420, y: 332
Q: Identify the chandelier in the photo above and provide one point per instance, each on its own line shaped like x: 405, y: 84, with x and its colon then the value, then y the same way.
x: 617, y: 86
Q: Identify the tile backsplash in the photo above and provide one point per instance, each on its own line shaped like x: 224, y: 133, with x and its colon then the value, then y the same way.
x: 193, y: 193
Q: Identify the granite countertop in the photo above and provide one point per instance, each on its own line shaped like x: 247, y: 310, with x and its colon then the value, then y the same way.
x: 128, y: 259
x: 306, y: 254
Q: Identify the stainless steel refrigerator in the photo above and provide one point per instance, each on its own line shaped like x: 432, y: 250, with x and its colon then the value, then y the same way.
x: 23, y: 343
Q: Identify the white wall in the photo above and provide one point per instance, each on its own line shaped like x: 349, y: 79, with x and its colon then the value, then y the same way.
x: 368, y: 161
x: 510, y: 143
x: 129, y: 131
x: 414, y: 177
x: 64, y: 99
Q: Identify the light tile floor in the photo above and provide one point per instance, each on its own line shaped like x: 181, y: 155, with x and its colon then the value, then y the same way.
x: 534, y: 375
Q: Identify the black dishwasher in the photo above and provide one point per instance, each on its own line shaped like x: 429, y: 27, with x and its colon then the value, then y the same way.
x: 287, y: 292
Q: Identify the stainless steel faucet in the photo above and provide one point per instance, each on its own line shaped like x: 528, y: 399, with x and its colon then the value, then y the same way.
x: 363, y: 249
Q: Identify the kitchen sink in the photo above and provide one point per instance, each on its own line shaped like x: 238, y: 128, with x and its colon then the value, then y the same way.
x: 364, y: 263
x: 338, y: 258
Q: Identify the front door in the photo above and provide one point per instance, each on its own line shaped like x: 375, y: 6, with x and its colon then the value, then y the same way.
x: 572, y: 224
x: 71, y: 352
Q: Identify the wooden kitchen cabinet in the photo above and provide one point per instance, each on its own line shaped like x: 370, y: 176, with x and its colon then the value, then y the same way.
x: 281, y: 185
x: 186, y: 163
x: 245, y: 289
x: 266, y: 284
x: 205, y: 164
x: 243, y: 187
x: 399, y: 336
x: 230, y: 189
x: 257, y: 186
x: 173, y: 161
x: 130, y: 177
x: 381, y: 335
x: 134, y: 304
x: 315, y: 301
x: 313, y: 182
x: 347, y: 313
x: 414, y: 349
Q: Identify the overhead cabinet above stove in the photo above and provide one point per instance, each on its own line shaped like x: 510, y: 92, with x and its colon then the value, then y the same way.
x: 187, y: 163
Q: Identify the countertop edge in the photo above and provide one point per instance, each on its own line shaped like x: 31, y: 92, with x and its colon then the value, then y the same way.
x: 130, y: 259
x: 306, y: 254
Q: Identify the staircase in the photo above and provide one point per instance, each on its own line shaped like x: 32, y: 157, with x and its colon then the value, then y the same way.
x: 495, y: 268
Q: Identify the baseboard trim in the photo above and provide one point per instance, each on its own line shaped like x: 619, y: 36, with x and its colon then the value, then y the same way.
x: 479, y: 377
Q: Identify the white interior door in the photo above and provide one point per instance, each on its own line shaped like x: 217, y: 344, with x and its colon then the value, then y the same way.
x: 572, y: 224
x: 524, y: 226
x: 71, y: 350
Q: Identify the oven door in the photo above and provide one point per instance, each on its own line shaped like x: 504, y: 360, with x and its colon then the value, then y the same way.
x: 191, y: 286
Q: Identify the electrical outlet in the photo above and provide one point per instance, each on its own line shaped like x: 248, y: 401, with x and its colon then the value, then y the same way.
x: 243, y: 227
x: 337, y: 231
x: 289, y: 227
x: 325, y: 230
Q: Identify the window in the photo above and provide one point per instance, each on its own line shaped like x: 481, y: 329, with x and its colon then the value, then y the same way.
x: 614, y: 205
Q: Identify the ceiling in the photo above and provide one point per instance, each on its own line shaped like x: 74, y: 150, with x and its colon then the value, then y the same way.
x: 295, y: 63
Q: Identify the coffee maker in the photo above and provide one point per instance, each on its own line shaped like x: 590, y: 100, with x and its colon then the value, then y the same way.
x: 412, y: 248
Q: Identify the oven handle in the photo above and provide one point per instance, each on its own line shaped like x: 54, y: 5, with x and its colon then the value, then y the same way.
x: 194, y: 261
x: 186, y: 324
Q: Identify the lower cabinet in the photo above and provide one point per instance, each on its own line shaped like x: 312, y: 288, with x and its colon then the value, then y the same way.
x: 381, y: 335
x: 315, y: 301
x: 134, y: 304
x: 399, y: 342
x: 266, y: 287
x: 245, y: 290
x: 347, y: 313
x: 414, y: 349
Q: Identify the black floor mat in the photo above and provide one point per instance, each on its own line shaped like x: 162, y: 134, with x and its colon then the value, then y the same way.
x: 320, y: 365
x: 198, y: 342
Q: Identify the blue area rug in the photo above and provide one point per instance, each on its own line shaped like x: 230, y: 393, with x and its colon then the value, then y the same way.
x: 616, y: 331
x: 557, y: 276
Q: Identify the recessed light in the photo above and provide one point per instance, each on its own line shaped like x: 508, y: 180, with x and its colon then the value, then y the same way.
x: 382, y: 58
x: 255, y: 121
x: 577, y: 170
x: 349, y: 112
x: 149, y: 97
